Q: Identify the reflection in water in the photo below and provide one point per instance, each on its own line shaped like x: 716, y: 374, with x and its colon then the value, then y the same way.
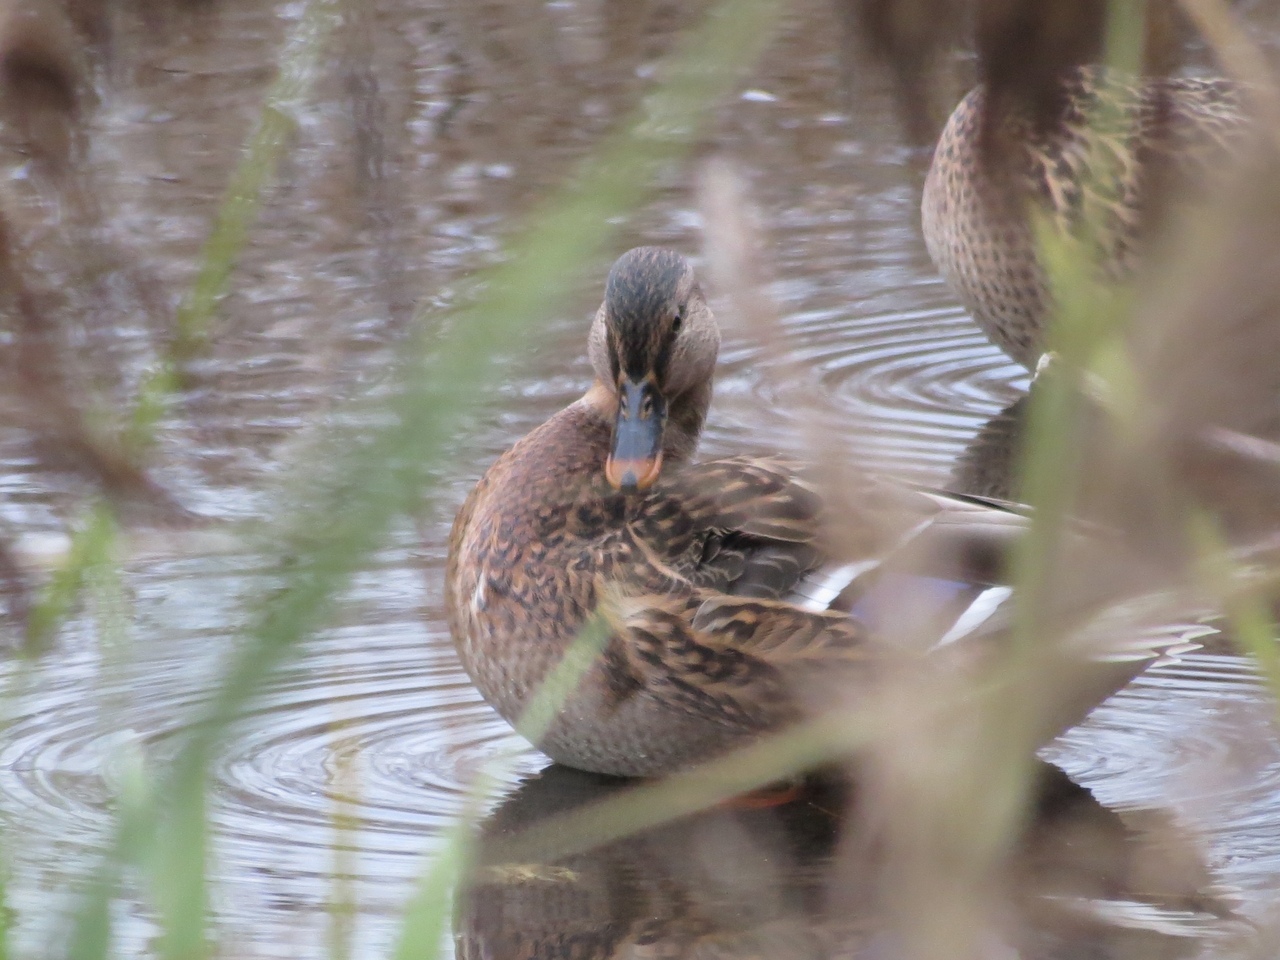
x: 988, y: 467
x: 790, y: 881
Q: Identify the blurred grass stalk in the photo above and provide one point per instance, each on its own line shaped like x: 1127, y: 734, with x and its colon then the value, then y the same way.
x: 300, y: 63
x: 378, y: 473
x: 1088, y: 336
x: 92, y: 548
x: 957, y: 799
x: 5, y: 944
x: 345, y: 828
x: 427, y: 913
x: 1252, y: 621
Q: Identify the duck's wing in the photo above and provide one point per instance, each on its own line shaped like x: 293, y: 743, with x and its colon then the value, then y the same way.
x: 752, y: 535
x: 735, y: 661
x: 697, y: 620
x: 945, y: 561
x: 745, y: 526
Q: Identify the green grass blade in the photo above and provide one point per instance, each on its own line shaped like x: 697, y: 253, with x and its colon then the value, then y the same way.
x: 427, y: 914
x: 6, y: 919
x: 300, y: 65
x: 92, y: 547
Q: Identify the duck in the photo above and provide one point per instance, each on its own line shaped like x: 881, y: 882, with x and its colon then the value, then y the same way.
x: 735, y: 591
x: 1094, y: 163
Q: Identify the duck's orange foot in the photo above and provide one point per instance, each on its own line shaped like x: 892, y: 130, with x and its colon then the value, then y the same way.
x: 774, y: 795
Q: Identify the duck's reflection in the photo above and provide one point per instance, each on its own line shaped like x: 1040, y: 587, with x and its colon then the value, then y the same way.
x: 989, y: 465
x: 1206, y: 466
x: 788, y: 881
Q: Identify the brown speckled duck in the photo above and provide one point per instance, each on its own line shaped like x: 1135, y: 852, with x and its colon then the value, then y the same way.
x: 1089, y: 165
x: 725, y: 617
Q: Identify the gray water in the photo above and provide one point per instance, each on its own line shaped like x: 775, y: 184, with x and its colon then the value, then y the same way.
x: 487, y: 108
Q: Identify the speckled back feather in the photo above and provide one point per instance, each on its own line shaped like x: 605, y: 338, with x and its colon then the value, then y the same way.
x: 1118, y: 150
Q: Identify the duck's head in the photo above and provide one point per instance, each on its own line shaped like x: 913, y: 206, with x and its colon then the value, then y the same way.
x: 653, y: 346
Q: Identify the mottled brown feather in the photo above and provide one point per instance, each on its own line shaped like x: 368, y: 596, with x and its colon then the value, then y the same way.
x: 1118, y: 150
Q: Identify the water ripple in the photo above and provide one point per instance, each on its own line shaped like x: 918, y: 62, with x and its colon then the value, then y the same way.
x: 1198, y: 734
x: 911, y: 387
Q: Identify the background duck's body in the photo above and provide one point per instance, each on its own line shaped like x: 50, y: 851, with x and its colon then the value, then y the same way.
x: 1097, y: 169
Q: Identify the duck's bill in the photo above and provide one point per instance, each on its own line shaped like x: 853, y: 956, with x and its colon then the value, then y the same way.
x: 630, y: 475
x: 636, y: 457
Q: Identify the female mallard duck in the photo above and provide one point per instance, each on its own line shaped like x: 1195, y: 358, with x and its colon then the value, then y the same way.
x: 1086, y: 167
x: 722, y: 622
